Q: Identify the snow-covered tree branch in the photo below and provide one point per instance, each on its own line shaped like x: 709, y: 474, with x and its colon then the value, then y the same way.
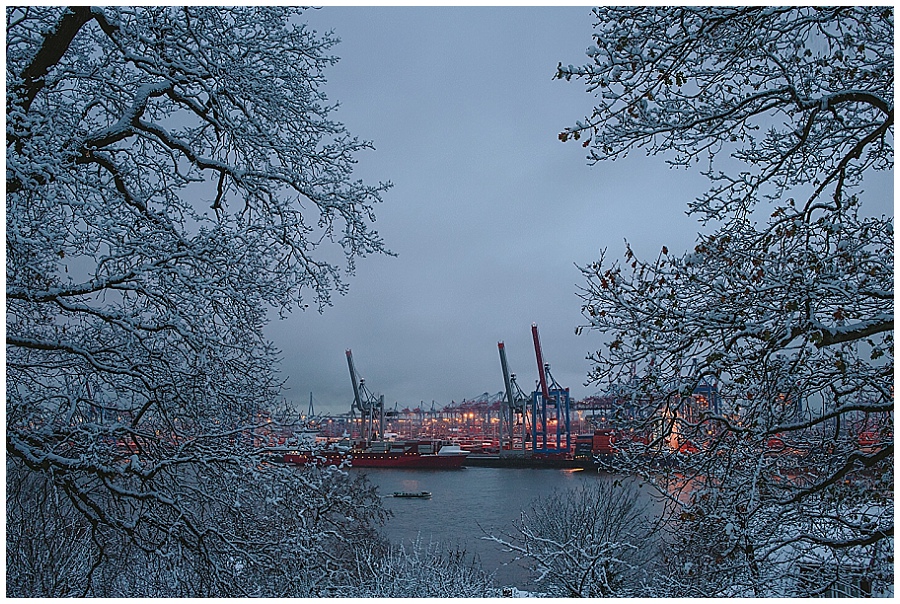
x: 172, y: 174
x: 594, y: 541
x: 419, y: 570
x: 761, y: 361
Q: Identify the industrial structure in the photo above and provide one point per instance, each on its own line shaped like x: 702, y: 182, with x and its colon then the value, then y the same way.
x: 511, y: 423
x: 370, y: 407
x: 546, y: 422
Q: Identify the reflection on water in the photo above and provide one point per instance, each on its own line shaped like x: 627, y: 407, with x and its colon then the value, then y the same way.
x: 467, y: 504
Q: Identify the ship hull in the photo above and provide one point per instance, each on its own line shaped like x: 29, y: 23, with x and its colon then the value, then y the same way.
x: 379, y: 460
x: 402, y: 460
x: 317, y: 459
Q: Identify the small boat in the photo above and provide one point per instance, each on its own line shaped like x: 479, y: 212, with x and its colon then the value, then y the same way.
x: 419, y: 494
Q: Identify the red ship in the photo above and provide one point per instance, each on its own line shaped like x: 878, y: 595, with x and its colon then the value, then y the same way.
x: 388, y: 454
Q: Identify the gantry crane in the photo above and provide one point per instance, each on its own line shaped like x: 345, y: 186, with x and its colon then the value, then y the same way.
x: 366, y: 403
x: 549, y: 404
x: 513, y: 405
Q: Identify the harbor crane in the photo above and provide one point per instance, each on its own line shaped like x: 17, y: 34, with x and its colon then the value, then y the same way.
x: 549, y: 405
x: 513, y: 405
x: 366, y: 403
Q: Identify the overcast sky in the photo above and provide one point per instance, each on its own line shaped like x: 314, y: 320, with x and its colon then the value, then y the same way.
x: 489, y: 214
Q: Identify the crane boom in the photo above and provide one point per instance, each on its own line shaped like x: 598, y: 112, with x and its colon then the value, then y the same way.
x: 354, y: 379
x: 542, y: 374
x: 509, y: 393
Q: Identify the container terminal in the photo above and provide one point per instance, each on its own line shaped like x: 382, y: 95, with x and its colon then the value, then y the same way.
x: 512, y: 428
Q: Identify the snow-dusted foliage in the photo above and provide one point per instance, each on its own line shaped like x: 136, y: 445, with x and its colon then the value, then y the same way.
x: 760, y: 363
x: 596, y: 541
x: 172, y: 173
x: 233, y: 531
x: 419, y: 570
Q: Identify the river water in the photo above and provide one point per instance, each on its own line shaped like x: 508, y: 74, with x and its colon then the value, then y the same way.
x: 468, y: 502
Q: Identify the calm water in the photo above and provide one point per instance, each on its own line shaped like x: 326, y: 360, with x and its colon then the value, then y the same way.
x: 467, y: 502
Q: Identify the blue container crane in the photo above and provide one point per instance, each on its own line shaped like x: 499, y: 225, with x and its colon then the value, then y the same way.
x: 548, y: 403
